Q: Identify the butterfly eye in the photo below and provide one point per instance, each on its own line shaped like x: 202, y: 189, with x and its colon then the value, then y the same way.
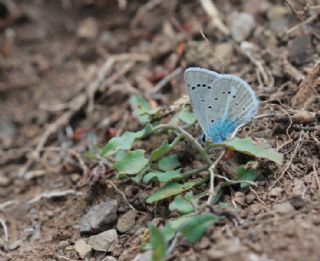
x: 210, y: 107
x: 223, y: 92
x: 204, y: 85
x: 212, y: 121
x: 229, y: 92
x: 209, y: 87
x: 193, y: 88
x: 233, y: 96
x: 216, y: 98
x: 198, y: 85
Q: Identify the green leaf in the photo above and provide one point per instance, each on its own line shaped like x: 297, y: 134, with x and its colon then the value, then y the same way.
x: 167, y: 231
x: 161, y: 151
x: 172, y: 189
x: 132, y: 163
x: 158, y: 243
x: 93, y: 154
x: 249, y: 147
x: 245, y: 174
x: 162, y: 176
x: 119, y: 155
x: 142, y: 110
x: 125, y: 141
x: 169, y: 163
x: 183, y: 204
x: 139, y: 107
x: 186, y: 116
x: 194, y: 228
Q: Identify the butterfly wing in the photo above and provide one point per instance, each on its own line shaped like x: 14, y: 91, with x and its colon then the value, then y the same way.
x: 222, y: 103
x: 244, y: 103
x: 199, y: 83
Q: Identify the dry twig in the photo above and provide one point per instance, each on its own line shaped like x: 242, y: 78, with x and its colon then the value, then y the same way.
x: 297, y: 147
x: 213, y: 13
x: 316, y: 177
x: 142, y: 11
x: 121, y: 193
x: 5, y: 229
x: 166, y: 79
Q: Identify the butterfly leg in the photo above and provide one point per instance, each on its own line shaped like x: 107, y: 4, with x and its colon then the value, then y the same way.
x: 202, y: 139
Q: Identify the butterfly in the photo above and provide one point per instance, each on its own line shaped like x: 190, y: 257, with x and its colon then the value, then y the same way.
x: 222, y: 103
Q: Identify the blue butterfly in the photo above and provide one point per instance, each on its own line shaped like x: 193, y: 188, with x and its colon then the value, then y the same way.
x: 222, y: 103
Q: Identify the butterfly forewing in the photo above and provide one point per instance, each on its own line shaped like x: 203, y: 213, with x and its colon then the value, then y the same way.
x: 199, y: 82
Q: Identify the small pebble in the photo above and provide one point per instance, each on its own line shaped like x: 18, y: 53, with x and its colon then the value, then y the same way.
x: 297, y: 202
x: 250, y: 198
x: 239, y: 197
x: 63, y: 244
x: 4, y: 181
x: 75, y: 177
x: 241, y: 26
x: 283, y: 208
x: 316, y: 220
x: 275, y: 192
x: 254, y: 209
x: 243, y: 213
x: 88, y: 28
x: 128, y: 191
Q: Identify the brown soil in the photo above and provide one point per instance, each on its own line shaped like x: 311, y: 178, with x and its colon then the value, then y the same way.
x: 58, y: 96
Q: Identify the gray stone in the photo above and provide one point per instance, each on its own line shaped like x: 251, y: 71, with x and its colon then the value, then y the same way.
x: 241, y: 25
x: 127, y: 221
x: 99, y: 217
x: 82, y: 248
x: 104, y: 241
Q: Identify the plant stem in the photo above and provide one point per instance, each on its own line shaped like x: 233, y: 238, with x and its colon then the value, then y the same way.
x: 176, y: 140
x: 212, y: 176
x: 192, y: 172
x: 188, y: 137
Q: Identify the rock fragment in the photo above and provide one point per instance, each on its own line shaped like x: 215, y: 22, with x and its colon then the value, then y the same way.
x: 82, y: 248
x: 99, y: 217
x: 104, y: 241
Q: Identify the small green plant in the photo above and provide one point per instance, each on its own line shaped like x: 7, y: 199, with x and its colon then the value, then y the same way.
x: 163, y: 166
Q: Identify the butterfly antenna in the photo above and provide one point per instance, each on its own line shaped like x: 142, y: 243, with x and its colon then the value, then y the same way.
x: 213, y: 54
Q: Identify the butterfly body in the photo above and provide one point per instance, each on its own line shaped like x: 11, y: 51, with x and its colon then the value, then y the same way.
x: 221, y: 102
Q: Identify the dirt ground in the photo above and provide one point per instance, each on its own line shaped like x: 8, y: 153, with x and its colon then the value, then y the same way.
x: 68, y: 69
